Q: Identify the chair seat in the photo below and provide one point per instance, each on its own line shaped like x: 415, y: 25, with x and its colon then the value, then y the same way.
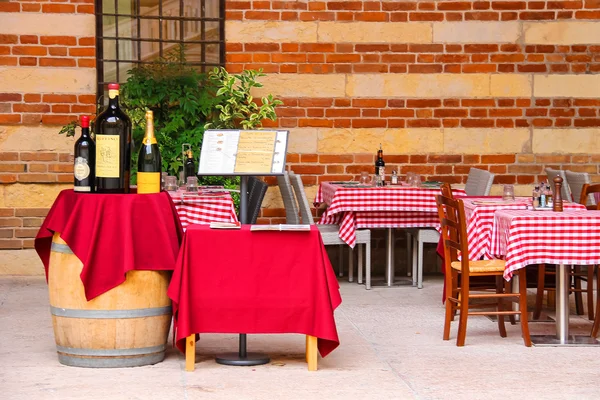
x: 331, y: 234
x: 481, y: 266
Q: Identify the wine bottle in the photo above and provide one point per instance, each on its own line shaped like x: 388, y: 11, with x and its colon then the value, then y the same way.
x: 189, y: 167
x: 380, y: 166
x: 84, y: 168
x: 149, y: 163
x: 113, y: 146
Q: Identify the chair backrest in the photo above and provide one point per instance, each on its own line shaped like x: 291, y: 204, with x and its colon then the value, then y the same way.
x: 454, y: 231
x: 446, y: 190
x: 576, y: 180
x: 289, y: 202
x: 307, y: 217
x: 479, y: 182
x: 565, y: 190
x: 587, y: 191
x: 256, y: 193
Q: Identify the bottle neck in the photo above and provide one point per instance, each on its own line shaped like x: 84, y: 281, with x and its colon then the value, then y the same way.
x: 149, y: 137
x: 380, y: 154
x: 113, y: 98
x: 85, y: 132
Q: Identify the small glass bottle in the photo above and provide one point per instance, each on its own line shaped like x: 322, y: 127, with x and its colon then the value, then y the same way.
x: 535, y: 196
x: 542, y: 194
x: 394, y: 177
x: 549, y: 200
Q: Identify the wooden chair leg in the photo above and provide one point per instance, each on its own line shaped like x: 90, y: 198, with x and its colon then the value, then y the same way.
x: 455, y: 292
x: 500, y: 307
x: 449, y: 316
x: 311, y: 352
x: 508, y: 288
x: 462, y: 319
x: 597, y: 316
x: 190, y: 352
x: 539, y: 296
x: 523, y: 307
x: 590, y: 291
x: 576, y: 270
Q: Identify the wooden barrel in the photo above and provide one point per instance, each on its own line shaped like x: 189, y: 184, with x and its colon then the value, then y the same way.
x: 127, y: 326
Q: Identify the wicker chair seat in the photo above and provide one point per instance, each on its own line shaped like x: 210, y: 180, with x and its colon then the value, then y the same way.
x: 481, y: 266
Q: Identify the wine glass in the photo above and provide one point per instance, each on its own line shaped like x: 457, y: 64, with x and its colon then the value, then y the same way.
x: 365, y: 178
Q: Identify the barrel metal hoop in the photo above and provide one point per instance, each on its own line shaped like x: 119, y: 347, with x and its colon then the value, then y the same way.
x: 110, y: 314
x: 61, y: 248
x: 110, y: 352
x: 111, y: 362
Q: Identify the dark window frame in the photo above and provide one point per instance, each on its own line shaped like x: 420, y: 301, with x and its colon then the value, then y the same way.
x: 203, y: 65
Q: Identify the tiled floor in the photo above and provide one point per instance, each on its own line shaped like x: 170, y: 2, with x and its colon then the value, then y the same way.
x: 391, y: 348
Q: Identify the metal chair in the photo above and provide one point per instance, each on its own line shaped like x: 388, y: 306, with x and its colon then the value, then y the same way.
x: 566, y: 189
x: 454, y: 234
x: 576, y: 180
x: 479, y: 182
x: 256, y: 193
x: 289, y: 202
x: 330, y: 233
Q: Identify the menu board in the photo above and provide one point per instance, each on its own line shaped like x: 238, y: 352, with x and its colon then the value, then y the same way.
x: 243, y: 152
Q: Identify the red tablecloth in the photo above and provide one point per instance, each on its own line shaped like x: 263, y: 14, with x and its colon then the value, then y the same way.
x: 204, y: 208
x: 378, y: 207
x: 527, y: 237
x: 238, y: 281
x: 112, y: 234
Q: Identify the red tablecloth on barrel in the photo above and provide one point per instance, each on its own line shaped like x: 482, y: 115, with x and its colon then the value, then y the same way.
x: 238, y: 281
x: 112, y: 234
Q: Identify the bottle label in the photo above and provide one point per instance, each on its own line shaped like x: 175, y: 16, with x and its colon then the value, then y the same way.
x: 82, y: 189
x: 107, y: 156
x: 148, y: 182
x: 81, y: 169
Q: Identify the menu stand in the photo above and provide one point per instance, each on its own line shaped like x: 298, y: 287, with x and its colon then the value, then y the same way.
x: 265, y: 155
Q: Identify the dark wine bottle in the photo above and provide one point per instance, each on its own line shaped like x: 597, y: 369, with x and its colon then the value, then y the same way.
x: 84, y: 168
x: 189, y: 168
x: 149, y: 163
x: 113, y: 146
x: 379, y: 163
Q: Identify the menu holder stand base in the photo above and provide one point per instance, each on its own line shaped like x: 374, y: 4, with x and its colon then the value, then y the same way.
x: 242, y: 358
x: 572, y: 341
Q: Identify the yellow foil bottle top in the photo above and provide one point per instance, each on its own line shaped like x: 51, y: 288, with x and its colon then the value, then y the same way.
x: 112, y: 93
x: 149, y: 138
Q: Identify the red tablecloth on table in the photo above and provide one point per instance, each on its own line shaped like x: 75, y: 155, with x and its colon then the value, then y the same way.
x: 112, y: 234
x: 204, y: 208
x: 378, y: 207
x: 527, y: 237
x: 238, y: 281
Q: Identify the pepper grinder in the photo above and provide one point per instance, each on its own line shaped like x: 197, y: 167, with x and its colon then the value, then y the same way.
x: 558, y: 202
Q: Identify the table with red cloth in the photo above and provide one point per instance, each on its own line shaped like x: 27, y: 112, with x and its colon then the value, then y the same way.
x: 204, y: 208
x: 479, y: 213
x: 525, y: 237
x: 254, y: 282
x: 378, y: 207
x: 112, y: 234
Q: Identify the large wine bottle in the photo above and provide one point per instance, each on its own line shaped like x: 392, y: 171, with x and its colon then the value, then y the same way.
x: 149, y: 164
x: 113, y: 146
x: 84, y: 168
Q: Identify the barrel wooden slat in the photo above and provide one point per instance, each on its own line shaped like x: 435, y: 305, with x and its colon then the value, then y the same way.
x: 126, y: 326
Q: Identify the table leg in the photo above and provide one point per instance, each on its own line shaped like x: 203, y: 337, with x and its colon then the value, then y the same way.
x: 562, y: 304
x: 311, y: 352
x: 190, y: 352
x: 389, y: 271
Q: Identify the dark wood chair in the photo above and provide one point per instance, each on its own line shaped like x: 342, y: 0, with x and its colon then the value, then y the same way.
x: 454, y: 236
x: 587, y: 190
x: 577, y: 273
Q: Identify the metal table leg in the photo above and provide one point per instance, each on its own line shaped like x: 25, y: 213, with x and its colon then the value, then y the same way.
x: 562, y: 337
x: 389, y: 270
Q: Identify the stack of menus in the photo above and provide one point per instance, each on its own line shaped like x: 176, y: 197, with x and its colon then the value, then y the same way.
x: 243, y: 152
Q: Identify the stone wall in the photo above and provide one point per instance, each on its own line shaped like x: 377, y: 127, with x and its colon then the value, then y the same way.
x: 509, y: 86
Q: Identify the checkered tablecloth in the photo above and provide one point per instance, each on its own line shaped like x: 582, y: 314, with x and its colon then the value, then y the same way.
x: 378, y: 207
x: 480, y: 219
x: 204, y: 209
x: 527, y: 237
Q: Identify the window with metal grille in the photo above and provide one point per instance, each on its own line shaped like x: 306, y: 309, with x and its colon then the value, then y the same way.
x: 134, y: 32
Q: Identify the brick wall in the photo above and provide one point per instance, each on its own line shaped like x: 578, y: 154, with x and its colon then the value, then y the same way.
x: 47, y: 79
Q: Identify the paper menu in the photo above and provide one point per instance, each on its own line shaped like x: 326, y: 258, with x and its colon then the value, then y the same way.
x: 280, y: 150
x: 255, y: 151
x: 218, y: 153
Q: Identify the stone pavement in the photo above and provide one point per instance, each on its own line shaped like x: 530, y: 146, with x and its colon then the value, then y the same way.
x: 391, y: 348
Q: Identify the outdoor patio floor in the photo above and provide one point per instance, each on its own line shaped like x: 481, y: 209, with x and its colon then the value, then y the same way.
x: 391, y: 348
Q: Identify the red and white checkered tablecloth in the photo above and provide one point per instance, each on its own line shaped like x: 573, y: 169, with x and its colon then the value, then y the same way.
x: 526, y: 237
x: 204, y: 209
x: 378, y: 207
x: 479, y: 213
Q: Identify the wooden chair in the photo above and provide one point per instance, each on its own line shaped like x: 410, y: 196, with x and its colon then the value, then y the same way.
x: 576, y: 180
x: 577, y: 273
x: 454, y: 234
